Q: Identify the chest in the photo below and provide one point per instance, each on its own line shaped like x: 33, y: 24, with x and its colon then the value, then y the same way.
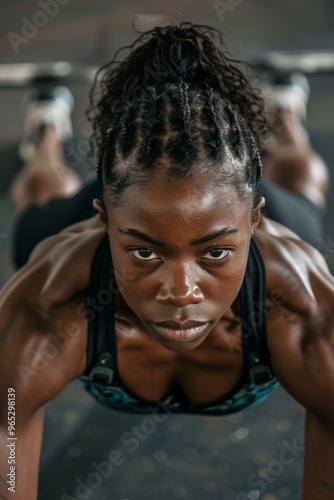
x: 207, y: 373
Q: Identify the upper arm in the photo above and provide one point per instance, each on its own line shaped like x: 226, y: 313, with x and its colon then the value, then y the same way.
x: 23, y: 392
x: 301, y: 330
x: 302, y: 354
x: 25, y: 364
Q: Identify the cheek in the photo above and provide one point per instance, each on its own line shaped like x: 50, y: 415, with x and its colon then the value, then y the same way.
x: 123, y: 272
x: 226, y: 284
x: 132, y: 283
x: 224, y: 289
x: 126, y: 279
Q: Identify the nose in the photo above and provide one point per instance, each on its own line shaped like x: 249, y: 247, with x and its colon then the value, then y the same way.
x: 179, y: 288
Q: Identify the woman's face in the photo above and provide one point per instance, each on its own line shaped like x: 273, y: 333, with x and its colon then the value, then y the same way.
x: 179, y: 253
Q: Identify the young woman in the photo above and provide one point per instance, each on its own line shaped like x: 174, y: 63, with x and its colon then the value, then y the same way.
x: 179, y: 295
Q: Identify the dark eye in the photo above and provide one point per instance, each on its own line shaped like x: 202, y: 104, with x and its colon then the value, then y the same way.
x: 216, y: 254
x: 144, y: 254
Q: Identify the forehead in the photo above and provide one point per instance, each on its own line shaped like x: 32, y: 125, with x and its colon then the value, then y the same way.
x: 194, y: 201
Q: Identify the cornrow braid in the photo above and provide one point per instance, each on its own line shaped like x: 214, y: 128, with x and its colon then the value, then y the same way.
x: 104, y: 151
x: 149, y: 150
x: 198, y: 109
x: 216, y: 153
x: 183, y: 147
x: 255, y: 160
x: 128, y: 132
x: 235, y: 134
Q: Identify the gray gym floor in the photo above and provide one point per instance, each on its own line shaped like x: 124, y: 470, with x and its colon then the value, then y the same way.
x: 200, y: 458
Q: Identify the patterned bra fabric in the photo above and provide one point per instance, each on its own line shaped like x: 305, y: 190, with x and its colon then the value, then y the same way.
x: 101, y: 378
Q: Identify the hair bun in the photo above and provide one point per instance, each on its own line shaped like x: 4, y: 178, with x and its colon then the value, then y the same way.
x: 188, y: 52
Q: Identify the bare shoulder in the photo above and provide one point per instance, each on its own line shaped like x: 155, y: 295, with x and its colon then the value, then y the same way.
x: 58, y: 267
x: 300, y: 328
x: 295, y: 267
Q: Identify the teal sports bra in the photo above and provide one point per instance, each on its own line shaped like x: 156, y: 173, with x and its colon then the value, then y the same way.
x: 101, y: 377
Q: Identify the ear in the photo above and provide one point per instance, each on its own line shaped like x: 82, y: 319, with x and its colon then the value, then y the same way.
x: 256, y: 214
x: 102, y: 213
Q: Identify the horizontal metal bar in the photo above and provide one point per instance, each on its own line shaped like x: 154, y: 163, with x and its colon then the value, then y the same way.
x: 28, y: 74
x: 287, y: 61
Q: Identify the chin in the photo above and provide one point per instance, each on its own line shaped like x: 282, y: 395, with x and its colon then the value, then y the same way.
x: 180, y: 346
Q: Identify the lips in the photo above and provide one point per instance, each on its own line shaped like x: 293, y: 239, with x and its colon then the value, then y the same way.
x: 173, y: 325
x: 188, y: 331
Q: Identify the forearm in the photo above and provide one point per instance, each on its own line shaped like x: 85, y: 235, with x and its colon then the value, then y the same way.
x: 19, y: 460
x: 319, y: 461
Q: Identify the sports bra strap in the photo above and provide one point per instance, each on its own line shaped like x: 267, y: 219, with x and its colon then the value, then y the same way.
x: 253, y: 296
x: 99, y: 341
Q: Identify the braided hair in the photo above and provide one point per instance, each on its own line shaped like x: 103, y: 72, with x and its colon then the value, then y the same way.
x: 177, y: 102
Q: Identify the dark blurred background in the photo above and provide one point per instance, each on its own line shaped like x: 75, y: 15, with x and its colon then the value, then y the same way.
x: 230, y: 458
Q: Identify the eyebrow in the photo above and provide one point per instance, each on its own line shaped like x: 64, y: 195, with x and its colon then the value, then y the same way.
x: 221, y: 232
x: 140, y: 235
